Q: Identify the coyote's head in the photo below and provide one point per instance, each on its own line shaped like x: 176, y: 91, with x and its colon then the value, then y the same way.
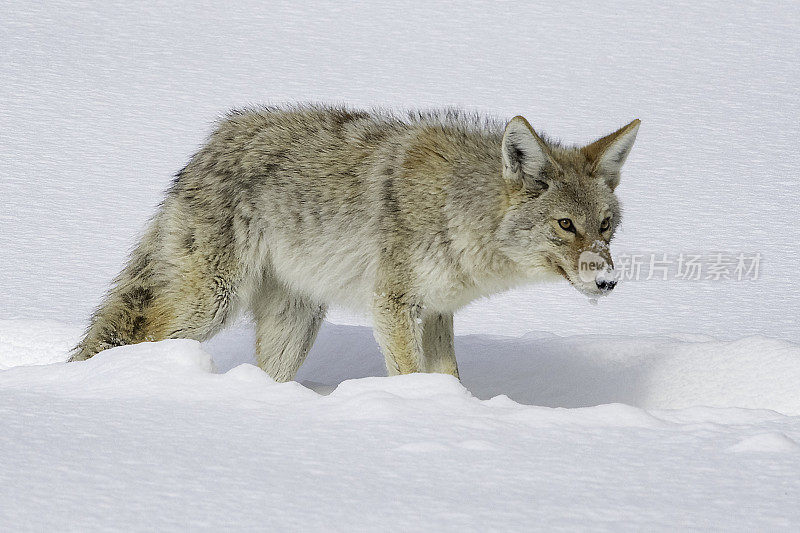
x: 562, y: 211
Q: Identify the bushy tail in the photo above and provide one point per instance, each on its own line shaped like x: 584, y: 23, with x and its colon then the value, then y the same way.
x: 121, y: 319
x: 165, y: 291
x: 128, y: 311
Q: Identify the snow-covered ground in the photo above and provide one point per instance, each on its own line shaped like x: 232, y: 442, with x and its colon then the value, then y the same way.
x: 673, y: 404
x: 161, y: 436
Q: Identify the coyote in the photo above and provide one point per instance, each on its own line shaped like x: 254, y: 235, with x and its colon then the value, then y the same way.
x: 285, y: 211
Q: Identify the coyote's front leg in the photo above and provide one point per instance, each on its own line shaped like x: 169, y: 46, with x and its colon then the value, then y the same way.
x: 397, y: 325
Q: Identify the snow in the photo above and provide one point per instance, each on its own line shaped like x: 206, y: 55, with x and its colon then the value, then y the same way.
x: 101, y: 106
x: 177, y: 435
x: 766, y: 442
x: 669, y: 405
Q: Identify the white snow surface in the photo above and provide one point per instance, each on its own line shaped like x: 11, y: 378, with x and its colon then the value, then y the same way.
x: 671, y: 405
x: 628, y: 433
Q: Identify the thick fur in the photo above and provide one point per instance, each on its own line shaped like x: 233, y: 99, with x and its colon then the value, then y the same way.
x: 285, y: 211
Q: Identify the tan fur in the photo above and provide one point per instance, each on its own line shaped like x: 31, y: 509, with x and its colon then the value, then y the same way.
x: 595, y: 150
x: 285, y: 211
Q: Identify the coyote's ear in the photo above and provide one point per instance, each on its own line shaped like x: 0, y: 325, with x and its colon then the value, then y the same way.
x: 610, y: 152
x: 523, y: 150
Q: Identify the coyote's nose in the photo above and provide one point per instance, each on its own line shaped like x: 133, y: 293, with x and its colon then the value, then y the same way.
x: 606, y: 285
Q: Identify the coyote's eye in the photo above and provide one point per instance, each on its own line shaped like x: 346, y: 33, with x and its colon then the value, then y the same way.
x: 566, y: 224
x: 605, y: 224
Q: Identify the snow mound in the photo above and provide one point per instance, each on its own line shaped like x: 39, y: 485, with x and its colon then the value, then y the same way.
x: 754, y: 373
x: 773, y: 442
x: 174, y: 370
x: 652, y: 373
x: 140, y: 369
x: 410, y: 387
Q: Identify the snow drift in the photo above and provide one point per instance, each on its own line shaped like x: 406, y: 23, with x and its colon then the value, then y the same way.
x: 175, y: 435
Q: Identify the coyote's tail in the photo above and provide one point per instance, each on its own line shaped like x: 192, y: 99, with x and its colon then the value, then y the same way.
x: 126, y: 313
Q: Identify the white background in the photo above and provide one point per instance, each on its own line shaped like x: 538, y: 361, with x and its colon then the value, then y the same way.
x: 102, y: 102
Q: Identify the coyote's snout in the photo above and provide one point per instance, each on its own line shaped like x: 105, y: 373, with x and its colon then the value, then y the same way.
x: 286, y: 211
x: 596, y: 269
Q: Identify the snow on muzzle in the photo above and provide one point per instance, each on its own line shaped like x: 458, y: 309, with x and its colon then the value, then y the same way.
x: 597, y: 268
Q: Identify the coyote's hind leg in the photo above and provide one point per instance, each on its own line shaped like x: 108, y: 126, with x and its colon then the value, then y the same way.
x: 286, y: 326
x: 437, y: 344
